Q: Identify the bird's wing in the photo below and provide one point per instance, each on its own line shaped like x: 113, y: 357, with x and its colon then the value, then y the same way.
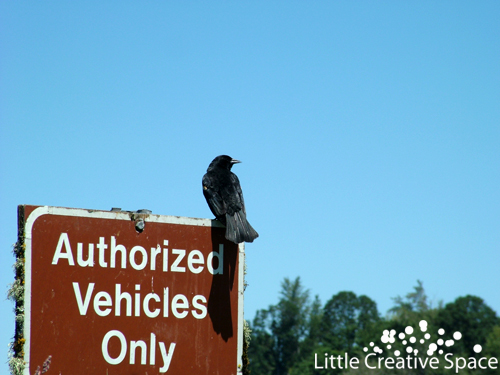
x: 233, y: 196
x: 213, y: 197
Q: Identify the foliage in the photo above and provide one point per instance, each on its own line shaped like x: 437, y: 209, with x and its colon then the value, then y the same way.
x: 16, y: 295
x: 278, y: 331
x: 493, y: 342
x: 348, y: 321
x: 470, y: 316
x: 247, y: 336
x: 289, y: 337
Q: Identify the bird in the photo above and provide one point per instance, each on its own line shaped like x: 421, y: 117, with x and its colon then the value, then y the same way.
x: 222, y: 191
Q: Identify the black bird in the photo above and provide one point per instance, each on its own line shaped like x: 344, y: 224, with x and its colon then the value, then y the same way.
x: 222, y: 191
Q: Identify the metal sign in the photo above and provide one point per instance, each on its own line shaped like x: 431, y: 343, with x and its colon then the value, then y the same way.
x: 102, y: 297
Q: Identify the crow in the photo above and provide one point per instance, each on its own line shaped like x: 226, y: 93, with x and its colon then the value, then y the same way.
x: 222, y: 191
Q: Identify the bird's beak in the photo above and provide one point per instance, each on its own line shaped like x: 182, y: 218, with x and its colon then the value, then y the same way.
x: 234, y: 161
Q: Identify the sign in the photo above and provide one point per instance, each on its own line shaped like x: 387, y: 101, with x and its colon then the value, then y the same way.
x: 102, y: 297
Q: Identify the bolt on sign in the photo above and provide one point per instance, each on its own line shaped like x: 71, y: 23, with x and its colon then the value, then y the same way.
x: 102, y: 297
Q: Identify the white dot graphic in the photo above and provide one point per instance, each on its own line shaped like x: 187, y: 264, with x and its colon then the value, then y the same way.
x: 408, y: 340
x: 477, y: 348
x: 423, y: 325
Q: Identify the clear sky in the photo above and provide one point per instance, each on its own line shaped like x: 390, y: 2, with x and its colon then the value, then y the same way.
x: 369, y: 132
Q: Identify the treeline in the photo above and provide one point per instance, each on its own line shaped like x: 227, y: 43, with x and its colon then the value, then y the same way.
x: 286, y: 337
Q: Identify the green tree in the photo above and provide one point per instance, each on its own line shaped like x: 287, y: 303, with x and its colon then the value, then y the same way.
x: 369, y: 321
x: 473, y: 318
x: 286, y: 336
x: 261, y: 348
x: 277, y: 333
x: 311, y: 345
x: 347, y: 321
x: 492, y: 347
x: 493, y: 343
x: 411, y: 309
x: 313, y: 328
x: 289, y: 323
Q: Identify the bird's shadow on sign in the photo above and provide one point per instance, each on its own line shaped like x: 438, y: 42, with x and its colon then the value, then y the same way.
x: 219, y: 301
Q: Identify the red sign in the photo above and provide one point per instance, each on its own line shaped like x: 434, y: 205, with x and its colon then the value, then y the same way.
x: 101, y: 297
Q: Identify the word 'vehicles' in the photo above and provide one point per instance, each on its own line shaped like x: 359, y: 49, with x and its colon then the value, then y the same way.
x: 103, y: 303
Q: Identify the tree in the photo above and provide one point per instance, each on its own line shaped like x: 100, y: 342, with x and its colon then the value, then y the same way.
x: 493, y: 343
x: 492, y: 348
x: 369, y: 321
x: 289, y: 323
x: 313, y: 326
x: 473, y: 318
x: 348, y: 320
x: 412, y: 307
x: 286, y: 336
x: 277, y: 332
x: 261, y: 348
x: 311, y: 343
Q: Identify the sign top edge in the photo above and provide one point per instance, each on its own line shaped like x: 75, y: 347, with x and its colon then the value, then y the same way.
x: 38, y: 211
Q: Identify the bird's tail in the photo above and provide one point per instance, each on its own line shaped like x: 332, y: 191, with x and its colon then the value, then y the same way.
x: 238, y: 229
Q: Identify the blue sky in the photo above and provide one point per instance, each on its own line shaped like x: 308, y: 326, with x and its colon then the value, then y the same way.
x: 369, y: 132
